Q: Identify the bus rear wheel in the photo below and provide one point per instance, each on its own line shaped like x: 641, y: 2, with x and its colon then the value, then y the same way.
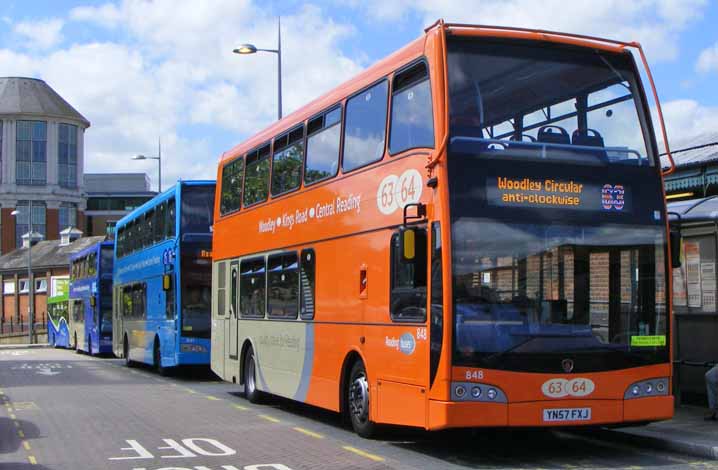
x: 250, y: 378
x: 358, y: 401
x: 89, y: 345
x: 74, y: 344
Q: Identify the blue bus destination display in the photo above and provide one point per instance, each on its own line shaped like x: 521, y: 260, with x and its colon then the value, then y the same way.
x: 558, y: 194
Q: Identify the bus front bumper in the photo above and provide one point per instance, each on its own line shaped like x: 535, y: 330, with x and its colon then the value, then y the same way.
x: 444, y: 414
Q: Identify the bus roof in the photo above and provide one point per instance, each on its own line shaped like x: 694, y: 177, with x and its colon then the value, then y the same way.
x: 163, y: 196
x: 405, y: 55
x: 91, y: 249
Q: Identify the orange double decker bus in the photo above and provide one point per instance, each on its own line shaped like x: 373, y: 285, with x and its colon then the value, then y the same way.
x: 472, y: 232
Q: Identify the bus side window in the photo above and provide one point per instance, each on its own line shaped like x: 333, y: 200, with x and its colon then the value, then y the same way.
x: 412, y: 121
x: 221, y: 288
x: 283, y: 282
x: 150, y: 228
x: 170, y: 300
x: 252, y: 288
x: 127, y: 302
x: 307, y: 283
x: 232, y: 179
x: 287, y: 161
x: 322, y: 156
x: 256, y: 179
x: 408, y: 281
x: 365, y: 127
x: 160, y: 222
x: 138, y: 301
x: 170, y: 221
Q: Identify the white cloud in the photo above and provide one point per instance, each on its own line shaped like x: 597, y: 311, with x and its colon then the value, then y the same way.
x: 654, y: 23
x: 708, y: 59
x: 42, y: 34
x: 686, y: 120
x: 107, y: 15
x: 174, y: 73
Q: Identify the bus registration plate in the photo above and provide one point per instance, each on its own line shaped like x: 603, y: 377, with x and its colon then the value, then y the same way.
x: 567, y: 414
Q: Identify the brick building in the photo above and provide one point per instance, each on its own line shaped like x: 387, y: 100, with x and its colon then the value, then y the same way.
x: 50, y: 259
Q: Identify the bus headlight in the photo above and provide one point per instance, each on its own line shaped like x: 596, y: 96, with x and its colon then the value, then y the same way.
x: 189, y: 347
x: 472, y: 391
x: 646, y: 388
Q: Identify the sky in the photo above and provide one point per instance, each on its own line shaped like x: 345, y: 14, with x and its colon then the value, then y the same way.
x: 146, y: 70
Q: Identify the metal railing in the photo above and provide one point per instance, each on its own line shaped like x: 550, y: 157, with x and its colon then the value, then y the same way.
x: 12, y: 326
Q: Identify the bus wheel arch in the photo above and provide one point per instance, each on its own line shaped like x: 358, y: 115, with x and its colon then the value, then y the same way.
x: 355, y: 376
x: 157, y: 357
x: 350, y: 359
x: 242, y: 358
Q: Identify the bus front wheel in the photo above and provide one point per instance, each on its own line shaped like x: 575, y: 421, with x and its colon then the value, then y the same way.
x: 74, y: 344
x: 358, y: 401
x: 89, y: 345
x: 250, y: 378
x: 126, y: 353
x: 157, y: 356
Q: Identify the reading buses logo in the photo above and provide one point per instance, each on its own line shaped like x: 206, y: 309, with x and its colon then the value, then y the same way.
x: 613, y: 197
x: 406, y: 343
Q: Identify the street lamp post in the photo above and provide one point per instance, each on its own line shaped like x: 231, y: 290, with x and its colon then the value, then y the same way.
x: 30, y: 280
x: 159, y: 163
x: 245, y: 49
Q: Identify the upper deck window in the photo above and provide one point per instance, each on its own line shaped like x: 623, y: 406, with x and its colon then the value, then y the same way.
x: 323, y: 133
x: 232, y: 176
x: 287, y: 161
x: 365, y: 128
x: 557, y: 103
x: 256, y: 181
x: 412, y: 121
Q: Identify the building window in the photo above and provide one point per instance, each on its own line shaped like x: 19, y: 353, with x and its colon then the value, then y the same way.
x: 67, y: 216
x: 67, y: 155
x: 38, y: 219
x: 8, y: 287
x: 31, y: 153
x: 41, y: 285
x: 23, y: 286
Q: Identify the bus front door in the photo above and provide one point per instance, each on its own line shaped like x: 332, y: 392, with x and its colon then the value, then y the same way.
x: 232, y: 317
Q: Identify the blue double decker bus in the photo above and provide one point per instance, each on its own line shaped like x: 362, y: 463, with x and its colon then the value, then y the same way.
x: 162, y: 279
x: 90, y: 299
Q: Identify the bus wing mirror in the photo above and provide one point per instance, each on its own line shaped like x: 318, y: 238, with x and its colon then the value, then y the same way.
x: 166, y: 282
x: 676, y: 242
x: 407, y: 244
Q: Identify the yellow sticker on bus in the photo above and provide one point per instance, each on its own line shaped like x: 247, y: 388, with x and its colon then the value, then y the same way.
x: 648, y: 340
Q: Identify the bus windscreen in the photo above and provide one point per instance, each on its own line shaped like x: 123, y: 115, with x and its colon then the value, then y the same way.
x: 520, y: 101
x: 196, y: 294
x: 197, y: 209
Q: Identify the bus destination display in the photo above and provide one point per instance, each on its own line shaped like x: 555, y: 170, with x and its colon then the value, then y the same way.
x: 506, y: 191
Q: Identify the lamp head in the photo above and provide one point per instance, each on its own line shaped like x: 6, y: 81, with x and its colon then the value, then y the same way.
x: 245, y: 49
x: 139, y: 157
x: 15, y: 212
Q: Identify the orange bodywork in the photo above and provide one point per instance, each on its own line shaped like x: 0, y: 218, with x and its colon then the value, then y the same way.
x: 353, y: 319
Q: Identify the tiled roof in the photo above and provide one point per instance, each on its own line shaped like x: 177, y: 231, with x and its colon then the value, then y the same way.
x: 19, y: 95
x: 703, y: 148
x: 46, y: 254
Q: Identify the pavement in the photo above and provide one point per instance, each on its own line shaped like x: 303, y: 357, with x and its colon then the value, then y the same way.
x: 686, y: 433
x: 65, y: 411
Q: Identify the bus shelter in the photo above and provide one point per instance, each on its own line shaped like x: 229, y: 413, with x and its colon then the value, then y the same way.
x: 694, y: 296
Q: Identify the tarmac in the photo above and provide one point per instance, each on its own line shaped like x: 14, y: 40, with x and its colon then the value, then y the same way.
x: 687, y: 433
